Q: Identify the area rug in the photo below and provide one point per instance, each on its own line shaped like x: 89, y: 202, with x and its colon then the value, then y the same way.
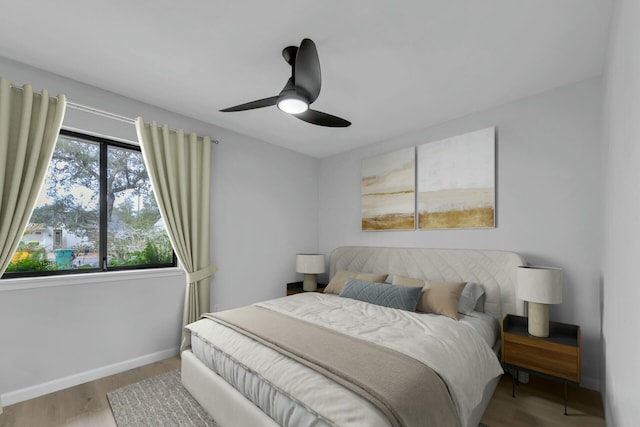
x: 157, y: 401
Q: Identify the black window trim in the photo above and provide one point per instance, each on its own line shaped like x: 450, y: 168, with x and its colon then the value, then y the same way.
x: 104, y: 144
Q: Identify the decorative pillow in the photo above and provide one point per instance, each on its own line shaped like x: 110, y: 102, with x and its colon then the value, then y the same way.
x: 469, y: 297
x: 437, y: 297
x: 442, y: 298
x: 384, y: 294
x: 406, y: 281
x: 480, y: 303
x: 340, y: 278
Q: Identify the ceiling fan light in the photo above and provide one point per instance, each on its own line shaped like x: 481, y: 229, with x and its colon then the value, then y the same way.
x: 293, y: 105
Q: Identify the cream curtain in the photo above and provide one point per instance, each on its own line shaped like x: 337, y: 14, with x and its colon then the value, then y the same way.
x: 29, y: 127
x: 179, y: 167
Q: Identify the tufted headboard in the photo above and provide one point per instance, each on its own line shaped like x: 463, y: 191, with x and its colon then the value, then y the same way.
x: 494, y: 270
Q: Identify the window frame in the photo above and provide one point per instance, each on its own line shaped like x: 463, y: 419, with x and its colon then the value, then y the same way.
x: 104, y: 145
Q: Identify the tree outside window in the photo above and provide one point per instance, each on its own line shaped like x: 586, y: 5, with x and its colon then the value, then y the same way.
x: 96, y: 212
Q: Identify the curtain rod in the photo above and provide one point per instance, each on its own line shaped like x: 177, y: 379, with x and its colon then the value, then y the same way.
x: 101, y: 113
x: 108, y: 115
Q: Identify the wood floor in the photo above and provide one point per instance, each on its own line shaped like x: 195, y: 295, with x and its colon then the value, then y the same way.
x: 538, y: 403
x: 82, y: 405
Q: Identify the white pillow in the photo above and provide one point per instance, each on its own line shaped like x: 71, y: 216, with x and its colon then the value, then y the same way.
x: 469, y: 298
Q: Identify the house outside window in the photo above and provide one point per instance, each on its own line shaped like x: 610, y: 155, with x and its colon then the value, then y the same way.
x: 96, y: 212
x: 57, y: 238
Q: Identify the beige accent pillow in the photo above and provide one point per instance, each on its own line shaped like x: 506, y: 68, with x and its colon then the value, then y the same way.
x: 406, y: 281
x: 340, y: 279
x: 437, y: 297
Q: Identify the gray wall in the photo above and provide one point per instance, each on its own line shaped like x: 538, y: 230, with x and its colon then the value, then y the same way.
x: 621, y: 291
x: 548, y: 198
x: 264, y: 211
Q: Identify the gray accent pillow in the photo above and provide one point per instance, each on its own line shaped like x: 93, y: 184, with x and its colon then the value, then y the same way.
x: 384, y: 294
x: 470, y: 297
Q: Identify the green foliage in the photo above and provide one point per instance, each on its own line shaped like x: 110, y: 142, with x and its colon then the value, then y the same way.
x: 66, y: 213
x: 74, y: 163
x: 157, y: 250
x: 36, y: 260
x: 75, y: 166
x: 151, y: 254
x: 29, y: 265
x: 72, y: 204
x: 142, y: 216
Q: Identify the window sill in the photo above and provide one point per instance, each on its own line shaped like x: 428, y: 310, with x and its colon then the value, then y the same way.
x: 24, y: 283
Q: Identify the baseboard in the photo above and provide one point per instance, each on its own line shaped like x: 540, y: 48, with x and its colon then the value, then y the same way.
x: 80, y: 378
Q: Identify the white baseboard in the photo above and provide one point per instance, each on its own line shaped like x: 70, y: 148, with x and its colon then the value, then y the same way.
x: 31, y: 392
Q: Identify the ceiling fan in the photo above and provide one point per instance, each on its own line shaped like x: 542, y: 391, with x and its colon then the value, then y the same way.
x: 301, y: 90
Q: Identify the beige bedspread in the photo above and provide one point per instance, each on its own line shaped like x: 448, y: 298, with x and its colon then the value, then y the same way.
x: 407, y: 391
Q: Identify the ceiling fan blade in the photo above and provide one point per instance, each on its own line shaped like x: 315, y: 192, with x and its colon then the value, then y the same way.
x: 307, y: 70
x: 322, y: 119
x: 266, y: 102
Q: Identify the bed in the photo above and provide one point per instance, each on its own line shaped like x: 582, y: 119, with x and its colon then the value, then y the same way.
x: 239, y: 377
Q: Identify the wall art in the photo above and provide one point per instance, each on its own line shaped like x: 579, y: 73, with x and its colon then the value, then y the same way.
x: 388, y: 191
x: 456, y: 182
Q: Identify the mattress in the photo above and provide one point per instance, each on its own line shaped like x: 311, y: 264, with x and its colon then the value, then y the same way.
x: 294, y: 395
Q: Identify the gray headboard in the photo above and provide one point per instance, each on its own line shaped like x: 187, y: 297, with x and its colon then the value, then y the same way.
x: 494, y: 270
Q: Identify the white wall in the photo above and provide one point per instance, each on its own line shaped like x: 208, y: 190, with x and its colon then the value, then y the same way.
x: 264, y: 211
x: 75, y: 329
x: 548, y: 198
x: 621, y: 290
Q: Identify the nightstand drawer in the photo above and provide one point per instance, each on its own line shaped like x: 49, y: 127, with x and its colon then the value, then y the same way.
x: 557, y: 355
x: 562, y: 361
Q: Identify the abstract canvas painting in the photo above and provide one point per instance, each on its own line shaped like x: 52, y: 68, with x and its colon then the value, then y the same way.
x: 388, y: 191
x: 456, y: 182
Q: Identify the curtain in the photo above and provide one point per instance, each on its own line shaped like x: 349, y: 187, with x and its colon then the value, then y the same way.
x: 179, y: 168
x: 29, y: 127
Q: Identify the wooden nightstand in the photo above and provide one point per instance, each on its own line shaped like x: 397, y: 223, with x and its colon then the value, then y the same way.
x: 557, y: 356
x: 296, y: 288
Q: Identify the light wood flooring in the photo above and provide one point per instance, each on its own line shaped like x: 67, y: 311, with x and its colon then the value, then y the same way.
x: 83, y: 405
x: 538, y: 403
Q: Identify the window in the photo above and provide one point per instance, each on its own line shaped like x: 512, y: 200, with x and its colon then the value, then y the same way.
x: 96, y: 212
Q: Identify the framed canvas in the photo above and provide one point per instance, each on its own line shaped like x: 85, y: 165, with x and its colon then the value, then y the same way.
x: 388, y: 191
x: 456, y: 182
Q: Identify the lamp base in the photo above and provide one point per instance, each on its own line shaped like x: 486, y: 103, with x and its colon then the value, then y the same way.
x: 538, y: 319
x: 310, y: 282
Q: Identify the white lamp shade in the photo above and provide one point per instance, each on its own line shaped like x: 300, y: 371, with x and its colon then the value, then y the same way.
x: 540, y: 284
x: 310, y: 263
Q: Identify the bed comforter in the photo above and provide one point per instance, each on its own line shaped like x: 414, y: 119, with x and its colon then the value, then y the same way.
x: 455, y: 351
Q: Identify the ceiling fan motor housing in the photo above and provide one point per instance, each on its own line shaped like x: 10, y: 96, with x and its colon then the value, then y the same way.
x: 301, y: 90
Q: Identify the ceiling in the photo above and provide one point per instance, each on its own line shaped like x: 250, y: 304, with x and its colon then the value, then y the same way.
x: 389, y: 67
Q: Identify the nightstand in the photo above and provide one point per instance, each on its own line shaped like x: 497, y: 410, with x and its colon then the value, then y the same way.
x: 557, y: 356
x: 296, y: 288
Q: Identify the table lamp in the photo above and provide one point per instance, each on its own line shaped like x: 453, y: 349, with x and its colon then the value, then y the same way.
x: 540, y: 286
x: 311, y: 265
